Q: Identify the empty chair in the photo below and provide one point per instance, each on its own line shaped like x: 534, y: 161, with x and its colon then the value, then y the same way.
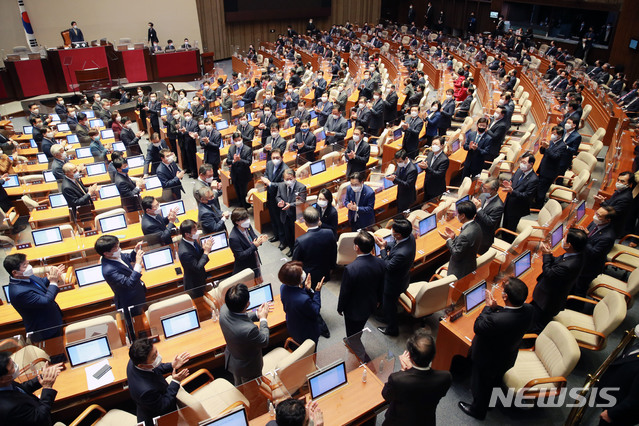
x: 332, y: 158
x: 109, y: 213
x: 546, y: 366
x: 550, y: 210
x: 481, y: 261
x: 592, y: 331
x: 30, y: 202
x: 215, y: 297
x: 303, y: 171
x: 462, y: 190
x: 415, y: 216
x: 583, y: 161
x: 584, y: 115
x: 290, y: 366
x: 493, y: 169
x: 505, y: 247
x: 567, y: 195
x: 604, y: 284
x: 521, y: 118
x: 113, y: 417
x: 165, y: 307
x: 345, y: 251
x: 423, y: 298
x: 624, y: 254
x: 112, y: 327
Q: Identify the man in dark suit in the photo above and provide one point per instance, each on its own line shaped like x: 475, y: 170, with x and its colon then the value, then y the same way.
x: 357, y: 153
x: 317, y: 250
x: 390, y: 106
x: 153, y: 154
x: 152, y: 35
x: 129, y: 191
x: 273, y: 176
x: 497, y: 132
x: 398, y: 258
x: 435, y: 166
x: 244, y: 340
x: 447, y: 112
x: 601, y: 239
x: 553, y: 151
x: 405, y: 177
x: 129, y: 292
x: 210, y: 217
x: 414, y: 392
x: 462, y: 110
x: 465, y: 246
x: 193, y: 258
x: 75, y: 33
x: 361, y: 290
x: 239, y: 160
x: 498, y: 333
x: 205, y: 179
x: 621, y: 200
x: 360, y: 202
x: 34, y: 297
x: 290, y: 194
x: 211, y: 141
x: 73, y: 190
x: 521, y: 190
x: 170, y: 176
x: 301, y: 115
x: 244, y: 243
x: 412, y: 128
x: 490, y: 208
x: 335, y: 127
x: 319, y: 85
x: 376, y: 123
x: 572, y: 140
x: 478, y: 144
x: 59, y: 160
x: 155, y: 226
x: 559, y: 275
x: 275, y: 141
x: 18, y: 405
x: 153, y: 109
x: 187, y: 132
x: 152, y: 394
x: 304, y: 143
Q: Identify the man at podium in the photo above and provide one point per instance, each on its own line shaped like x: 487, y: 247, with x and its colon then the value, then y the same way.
x: 76, y: 33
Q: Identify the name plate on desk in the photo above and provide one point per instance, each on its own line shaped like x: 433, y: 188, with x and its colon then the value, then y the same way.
x: 41, y: 208
x: 30, y: 163
x: 23, y: 246
x: 66, y: 287
x: 90, y: 233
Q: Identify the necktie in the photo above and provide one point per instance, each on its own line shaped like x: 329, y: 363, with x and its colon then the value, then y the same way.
x: 594, y: 231
x: 198, y: 249
x: 19, y: 389
x: 357, y: 196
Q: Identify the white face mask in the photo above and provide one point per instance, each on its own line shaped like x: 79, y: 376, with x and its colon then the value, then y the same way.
x: 413, y: 113
x: 188, y: 118
x: 362, y: 106
x: 620, y: 186
x: 496, y: 115
x: 98, y: 99
x: 324, y: 99
x: 157, y: 144
x: 449, y: 97
x: 356, y: 188
x: 117, y: 253
x: 597, y: 220
x: 300, y: 108
x: 28, y: 271
x: 195, y: 103
x: 245, y: 224
x: 276, y: 162
x: 208, y: 179
x: 72, y: 114
x: 356, y: 138
x: 169, y: 109
x: 118, y: 118
x: 49, y: 135
x: 171, y: 159
x: 36, y: 111
x: 209, y: 128
x: 568, y: 127
x: 196, y: 235
x: 267, y: 113
x: 290, y: 183
x: 376, y: 97
x: 157, y: 361
x: 401, y: 164
x: 336, y: 116
x: 176, y: 117
x: 553, y: 137
x: 436, y: 148
x: 523, y: 167
x: 238, y: 145
x: 77, y: 175
x: 322, y: 203
x: 243, y: 122
x: 275, y: 135
x: 201, y: 126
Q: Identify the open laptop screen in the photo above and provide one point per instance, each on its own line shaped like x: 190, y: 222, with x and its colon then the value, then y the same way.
x: 236, y: 417
x: 167, y: 207
x: 71, y: 139
x: 89, y: 350
x: 522, y: 264
x: 63, y: 127
x: 557, y: 235
x: 152, y: 182
x: 427, y: 224
x: 259, y: 295
x: 179, y: 323
x: 136, y: 161
x: 157, y: 258
x: 107, y: 134
x: 95, y: 169
x: 113, y: 223
x: 89, y: 275
x: 46, y: 236
x: 474, y: 296
x: 83, y: 152
x: 327, y: 379
x: 318, y: 167
x: 96, y: 123
x: 12, y: 182
x: 581, y: 211
x: 220, y: 240
x: 49, y: 176
x: 109, y: 191
x: 57, y: 200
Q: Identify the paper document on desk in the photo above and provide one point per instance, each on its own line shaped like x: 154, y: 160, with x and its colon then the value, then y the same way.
x: 92, y: 382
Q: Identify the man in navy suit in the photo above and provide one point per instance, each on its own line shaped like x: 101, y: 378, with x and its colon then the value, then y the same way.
x: 239, y: 159
x: 275, y: 141
x: 490, y: 209
x: 193, y: 258
x: 18, y: 405
x: 211, y: 141
x: 497, y: 132
x: 398, y: 258
x: 73, y: 190
x: 319, y: 85
x: 323, y: 109
x: 155, y: 226
x: 465, y: 246
x: 153, y: 154
x: 357, y: 153
x: 412, y: 128
x: 376, y: 123
x: 361, y: 291
x: 553, y: 151
x: 170, y: 176
x: 405, y: 177
x: 447, y: 112
x: 187, y: 131
x: 125, y: 280
x: 34, y: 297
x: 273, y: 176
x: 336, y: 127
x: 210, y: 217
x: 559, y: 275
x: 290, y: 194
x: 131, y: 139
x: 75, y: 33
x: 435, y: 166
x: 620, y: 200
x: 129, y: 191
x: 360, y: 202
x: 498, y: 333
x: 521, y: 190
x: 153, y: 109
x: 152, y: 394
x: 572, y: 140
x: 477, y: 144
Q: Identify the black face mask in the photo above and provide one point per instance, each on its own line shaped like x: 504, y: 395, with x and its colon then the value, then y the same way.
x: 481, y: 129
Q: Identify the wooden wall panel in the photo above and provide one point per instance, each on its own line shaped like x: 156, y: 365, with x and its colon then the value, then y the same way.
x: 224, y: 39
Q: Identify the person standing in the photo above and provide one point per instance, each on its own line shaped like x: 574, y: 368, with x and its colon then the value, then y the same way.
x: 193, y: 258
x: 239, y: 160
x: 211, y: 141
x: 152, y: 394
x: 498, y: 334
x: 412, y: 128
x: 327, y: 212
x: 34, y: 297
x: 360, y: 202
x: 398, y: 258
x: 290, y: 194
x: 558, y: 276
x: 244, y: 340
x: 210, y: 217
x: 244, y: 243
x: 154, y: 225
x: 620, y: 200
x: 273, y: 176
x: 405, y: 177
x: 357, y: 153
x: 360, y: 292
x: 477, y: 144
x: 414, y: 392
x: 170, y: 176
x: 305, y: 142
x: 152, y: 35
x: 521, y: 190
x: 187, y: 133
x: 73, y: 190
x: 465, y: 246
x: 490, y: 209
x: 553, y: 151
x: 129, y: 191
x: 153, y: 154
x: 435, y: 166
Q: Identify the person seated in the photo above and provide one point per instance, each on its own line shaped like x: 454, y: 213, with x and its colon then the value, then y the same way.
x: 169, y: 45
x: 462, y: 110
x: 75, y: 33
x: 462, y: 93
x: 210, y: 218
x: 98, y: 150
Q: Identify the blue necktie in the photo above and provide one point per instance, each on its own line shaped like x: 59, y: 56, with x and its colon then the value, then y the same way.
x: 37, y: 283
x: 19, y: 389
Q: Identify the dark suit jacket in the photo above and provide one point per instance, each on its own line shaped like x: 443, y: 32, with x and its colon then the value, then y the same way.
x: 56, y: 168
x: 302, y: 310
x: 623, y: 373
x: 129, y: 192
x: 366, y: 213
x: 377, y: 115
x: 497, y: 132
x: 329, y: 218
x: 572, y: 142
x: 621, y: 201
x: 411, y: 135
x: 153, y: 157
x: 398, y: 259
x: 25, y: 409
x: 128, y: 289
x: 212, y: 147
x: 159, y: 227
x: 447, y: 111
x: 390, y: 113
x: 35, y: 302
x: 308, y: 150
x: 498, y: 334
x: 340, y: 127
x: 169, y: 180
x: 73, y: 194
x: 244, y: 343
x: 413, y: 396
x: 244, y: 251
x: 464, y: 249
x: 405, y: 178
x: 550, y: 163
x: 193, y: 263
x: 517, y: 204
x: 276, y: 176
x: 153, y: 396
x: 317, y: 250
x: 435, y: 183
x: 362, y: 286
x: 489, y: 218
x: 555, y: 282
x: 241, y: 170
x: 476, y: 157
x: 292, y: 199
x: 597, y: 249
x: 362, y: 155
x: 210, y: 218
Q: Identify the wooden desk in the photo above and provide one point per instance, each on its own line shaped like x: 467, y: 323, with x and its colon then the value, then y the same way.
x: 353, y: 403
x: 37, y: 188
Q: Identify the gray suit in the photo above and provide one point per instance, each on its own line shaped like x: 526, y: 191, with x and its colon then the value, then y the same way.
x: 489, y: 218
x: 244, y: 343
x: 198, y: 184
x: 463, y: 250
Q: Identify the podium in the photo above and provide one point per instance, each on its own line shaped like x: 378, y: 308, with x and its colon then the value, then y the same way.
x: 92, y: 79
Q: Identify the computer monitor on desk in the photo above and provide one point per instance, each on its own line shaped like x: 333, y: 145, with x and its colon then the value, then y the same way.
x: 167, y: 207
x: 48, y: 176
x: 47, y: 236
x: 88, y: 350
x: 462, y: 199
x: 522, y: 263
x: 72, y: 139
x: 397, y: 133
x: 157, y: 258
x: 54, y: 117
x: 109, y: 191
x: 95, y: 169
x: 236, y: 417
x: 557, y: 235
x: 318, y: 167
x: 152, y: 182
x: 113, y: 223
x: 96, y: 123
x: 118, y: 146
x: 135, y: 161
x: 259, y: 295
x: 42, y: 158
x: 89, y: 275
x: 221, y: 125
x: 107, y: 134
x: 389, y: 239
x: 5, y: 289
x: 57, y: 200
x: 63, y: 127
x: 89, y: 113
x: 387, y: 183
x: 581, y: 211
x: 327, y: 379
x: 27, y: 130
x: 220, y: 240
x: 83, y: 152
x: 180, y: 323
x: 12, y: 182
x: 427, y: 224
x: 475, y: 296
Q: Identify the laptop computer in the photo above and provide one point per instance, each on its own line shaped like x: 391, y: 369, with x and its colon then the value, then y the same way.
x: 327, y: 379
x: 475, y: 296
x: 47, y: 236
x: 48, y: 176
x: 118, y: 146
x: 97, y: 122
x: 581, y: 211
x: 522, y: 263
x: 557, y: 235
x: 71, y: 139
x: 157, y: 258
x: 27, y: 130
x: 89, y: 275
x: 135, y: 161
x: 220, y: 240
x: 152, y: 182
x: 221, y: 125
x: 109, y: 191
x: 259, y: 295
x: 84, y: 152
x: 12, y: 182
x: 236, y: 417
x: 318, y: 167
x: 107, y: 134
x: 167, y: 207
x: 88, y: 350
x: 57, y: 200
x: 113, y: 223
x: 427, y: 224
x: 180, y: 323
x: 89, y: 113
x: 389, y: 239
x: 63, y: 127
x: 397, y: 133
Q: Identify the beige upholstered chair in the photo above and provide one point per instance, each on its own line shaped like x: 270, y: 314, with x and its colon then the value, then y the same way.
x: 113, y: 417
x: 423, y: 298
x: 215, y: 297
x: 504, y: 247
x: 568, y: 194
x: 583, y: 161
x: 110, y: 213
x: 165, y: 307
x: 604, y: 284
x: 287, y: 367
x: 624, y: 254
x: 592, y: 331
x: 105, y: 324
x: 550, y: 210
x: 546, y: 366
x: 481, y: 261
x: 345, y: 252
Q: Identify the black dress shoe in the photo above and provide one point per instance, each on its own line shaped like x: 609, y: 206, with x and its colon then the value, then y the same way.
x: 282, y: 246
x: 290, y: 253
x: 273, y: 239
x: 326, y: 334
x: 388, y: 331
x: 467, y: 409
